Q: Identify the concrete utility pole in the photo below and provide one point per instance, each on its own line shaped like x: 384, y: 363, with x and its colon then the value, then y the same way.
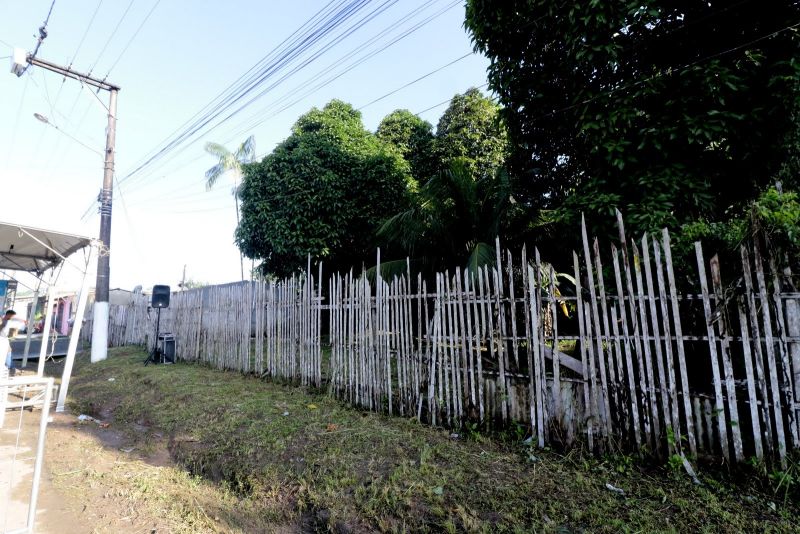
x: 100, y: 319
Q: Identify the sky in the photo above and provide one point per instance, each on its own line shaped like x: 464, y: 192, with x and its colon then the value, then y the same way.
x: 172, y: 58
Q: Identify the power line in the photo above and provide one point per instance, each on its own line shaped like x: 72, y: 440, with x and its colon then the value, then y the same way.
x: 431, y: 73
x: 443, y: 102
x: 329, y: 25
x: 113, y: 34
x: 86, y: 32
x: 386, y: 31
x: 354, y: 52
x: 347, y: 69
x: 125, y: 49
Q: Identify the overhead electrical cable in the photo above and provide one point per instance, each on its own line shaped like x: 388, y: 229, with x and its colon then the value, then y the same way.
x: 111, y: 36
x: 417, y: 80
x: 135, y: 34
x: 338, y: 18
x: 85, y: 32
x: 350, y: 54
x: 261, y: 116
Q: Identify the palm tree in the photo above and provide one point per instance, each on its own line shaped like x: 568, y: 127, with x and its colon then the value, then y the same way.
x: 454, y: 220
x: 231, y: 162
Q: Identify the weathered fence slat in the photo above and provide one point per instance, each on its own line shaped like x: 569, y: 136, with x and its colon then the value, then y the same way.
x: 476, y: 348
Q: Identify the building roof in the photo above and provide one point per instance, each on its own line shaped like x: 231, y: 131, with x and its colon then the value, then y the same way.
x: 23, y: 248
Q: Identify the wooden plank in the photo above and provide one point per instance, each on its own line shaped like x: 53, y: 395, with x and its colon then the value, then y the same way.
x: 538, y: 344
x: 727, y: 367
x: 527, y: 292
x: 452, y: 353
x: 510, y: 276
x: 502, y: 352
x: 612, y: 354
x: 633, y: 397
x: 480, y: 335
x: 489, y: 321
x: 766, y: 418
x: 534, y: 360
x: 464, y: 344
x: 783, y: 349
x: 648, y: 360
x: 719, y: 405
x: 751, y: 383
x: 670, y: 361
x: 589, y: 395
x: 559, y: 413
x: 681, y: 351
x: 472, y: 347
x: 771, y: 359
x: 661, y: 390
x: 595, y: 316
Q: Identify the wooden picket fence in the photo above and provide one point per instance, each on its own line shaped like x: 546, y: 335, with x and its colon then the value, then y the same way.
x: 623, y: 362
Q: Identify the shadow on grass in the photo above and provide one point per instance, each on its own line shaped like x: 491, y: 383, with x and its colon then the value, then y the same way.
x: 281, y: 457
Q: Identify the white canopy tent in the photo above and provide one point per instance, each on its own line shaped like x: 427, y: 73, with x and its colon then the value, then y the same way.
x: 37, y: 251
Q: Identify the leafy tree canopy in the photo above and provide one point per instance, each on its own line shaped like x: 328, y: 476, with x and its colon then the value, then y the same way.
x: 670, y: 111
x: 323, y: 191
x: 470, y: 130
x: 413, y: 138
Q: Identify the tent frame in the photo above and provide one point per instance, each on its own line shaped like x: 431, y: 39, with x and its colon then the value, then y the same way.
x: 51, y: 282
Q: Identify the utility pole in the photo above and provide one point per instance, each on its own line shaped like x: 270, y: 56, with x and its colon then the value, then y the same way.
x: 100, y: 319
x: 183, y: 280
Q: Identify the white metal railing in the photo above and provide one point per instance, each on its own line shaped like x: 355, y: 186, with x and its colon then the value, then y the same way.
x: 17, y: 467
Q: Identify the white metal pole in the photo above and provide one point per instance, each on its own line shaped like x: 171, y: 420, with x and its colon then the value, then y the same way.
x: 75, y: 335
x: 48, y: 319
x: 37, y: 467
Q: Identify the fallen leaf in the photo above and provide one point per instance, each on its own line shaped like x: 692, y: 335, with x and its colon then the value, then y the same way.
x: 312, y: 406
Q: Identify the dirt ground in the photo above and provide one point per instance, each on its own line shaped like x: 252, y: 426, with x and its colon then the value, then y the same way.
x: 96, y: 482
x: 80, y: 490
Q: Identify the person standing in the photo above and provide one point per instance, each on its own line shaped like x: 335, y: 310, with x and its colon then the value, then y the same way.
x: 9, y: 326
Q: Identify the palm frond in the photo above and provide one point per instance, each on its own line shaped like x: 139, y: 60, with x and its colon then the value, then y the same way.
x: 390, y: 270
x: 216, y: 149
x: 482, y: 255
x: 247, y: 150
x: 213, y: 174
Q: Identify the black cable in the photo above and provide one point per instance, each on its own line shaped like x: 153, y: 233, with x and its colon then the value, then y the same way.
x: 431, y: 73
x: 350, y: 54
x: 125, y: 49
x: 351, y: 66
x: 442, y: 103
x: 248, y: 76
x: 338, y: 18
x: 249, y: 124
x: 85, y: 33
x: 113, y: 34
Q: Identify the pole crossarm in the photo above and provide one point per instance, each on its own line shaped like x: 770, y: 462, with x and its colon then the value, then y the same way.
x: 69, y: 73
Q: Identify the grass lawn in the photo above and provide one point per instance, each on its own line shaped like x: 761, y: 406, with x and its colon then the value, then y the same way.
x: 266, y: 457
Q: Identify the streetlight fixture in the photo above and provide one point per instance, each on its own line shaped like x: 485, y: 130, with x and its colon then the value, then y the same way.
x: 42, y: 118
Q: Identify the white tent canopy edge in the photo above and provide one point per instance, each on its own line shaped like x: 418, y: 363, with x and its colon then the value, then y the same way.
x: 35, y: 251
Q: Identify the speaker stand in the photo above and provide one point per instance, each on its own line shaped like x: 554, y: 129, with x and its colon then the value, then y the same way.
x: 154, y: 354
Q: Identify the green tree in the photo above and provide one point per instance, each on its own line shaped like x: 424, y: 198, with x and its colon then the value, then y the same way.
x: 413, y: 138
x: 454, y: 219
x: 470, y: 129
x: 670, y: 111
x: 323, y: 191
x: 231, y: 163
